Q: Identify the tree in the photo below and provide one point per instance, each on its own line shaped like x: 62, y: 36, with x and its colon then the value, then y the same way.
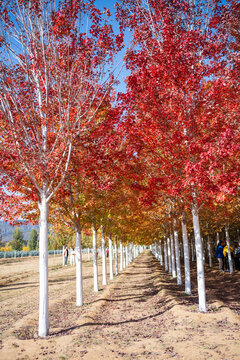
x: 18, y: 239
x: 53, y: 78
x: 33, y: 241
x: 171, y: 104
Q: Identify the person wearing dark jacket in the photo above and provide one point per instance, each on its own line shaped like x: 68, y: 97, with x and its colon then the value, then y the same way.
x: 219, y: 254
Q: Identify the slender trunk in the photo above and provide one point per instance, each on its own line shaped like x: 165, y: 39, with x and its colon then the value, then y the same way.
x: 229, y: 250
x: 124, y: 257
x: 179, y: 275
x: 95, y: 265
x: 88, y: 251
x: 63, y: 255
x: 116, y: 255
x: 43, y: 327
x: 160, y: 254
x: 126, y: 252
x: 110, y: 257
x: 192, y: 249
x: 203, y: 251
x: 79, y: 278
x: 104, y: 268
x: 199, y: 255
x: 165, y: 255
x: 209, y: 252
x: 121, y: 256
x: 174, y: 275
x: 169, y: 256
x: 186, y: 257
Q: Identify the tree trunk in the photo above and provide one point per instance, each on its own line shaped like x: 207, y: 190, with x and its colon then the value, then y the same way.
x: 124, y: 257
x: 126, y: 252
x: 199, y: 255
x: 174, y: 275
x: 116, y: 255
x: 121, y: 256
x: 110, y: 257
x: 209, y: 251
x: 43, y: 326
x: 165, y: 255
x: 186, y: 257
x: 179, y: 275
x: 160, y: 254
x: 104, y: 268
x: 228, y: 248
x: 95, y: 265
x: 63, y: 255
x: 79, y: 278
x: 169, y: 256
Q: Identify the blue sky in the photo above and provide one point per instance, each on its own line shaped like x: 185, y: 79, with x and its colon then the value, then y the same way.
x: 109, y: 4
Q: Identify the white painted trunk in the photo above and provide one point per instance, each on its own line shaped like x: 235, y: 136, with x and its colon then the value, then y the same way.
x: 192, y: 248
x: 186, y: 257
x: 43, y: 325
x: 174, y: 274
x: 126, y: 253
x: 124, y: 257
x: 228, y: 248
x: 178, y: 264
x: 79, y: 278
x: 110, y: 257
x: 63, y: 255
x: 169, y: 256
x: 203, y: 251
x: 165, y: 255
x: 209, y: 252
x: 116, y: 255
x: 95, y: 265
x: 88, y: 251
x: 121, y: 256
x: 104, y: 267
x: 199, y: 256
x: 160, y: 254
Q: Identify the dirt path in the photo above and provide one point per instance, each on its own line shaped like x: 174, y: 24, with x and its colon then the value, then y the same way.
x: 142, y: 314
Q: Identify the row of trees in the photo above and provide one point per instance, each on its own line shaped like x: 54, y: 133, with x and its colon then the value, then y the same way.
x: 139, y: 167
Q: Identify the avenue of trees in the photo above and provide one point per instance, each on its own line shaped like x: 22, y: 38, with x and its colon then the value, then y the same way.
x: 158, y: 165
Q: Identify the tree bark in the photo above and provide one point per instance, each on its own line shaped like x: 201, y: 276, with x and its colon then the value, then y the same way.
x: 95, y: 265
x: 110, y: 257
x: 43, y: 325
x: 126, y: 253
x: 165, y: 255
x: 179, y: 275
x: 174, y: 275
x: 209, y: 251
x: 199, y: 255
x: 104, y: 268
x: 121, y: 256
x: 116, y: 255
x: 228, y: 248
x: 169, y: 256
x: 186, y: 256
x: 79, y: 278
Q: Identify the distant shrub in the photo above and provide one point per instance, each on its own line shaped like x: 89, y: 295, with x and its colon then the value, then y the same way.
x: 17, y: 254
x: 25, y: 248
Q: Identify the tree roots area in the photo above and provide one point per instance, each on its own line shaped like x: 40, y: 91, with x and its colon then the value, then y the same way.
x: 141, y: 314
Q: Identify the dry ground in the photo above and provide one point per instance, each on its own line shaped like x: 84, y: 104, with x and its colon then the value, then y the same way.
x: 141, y: 314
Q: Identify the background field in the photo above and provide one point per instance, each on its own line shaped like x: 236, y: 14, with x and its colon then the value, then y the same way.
x: 141, y: 314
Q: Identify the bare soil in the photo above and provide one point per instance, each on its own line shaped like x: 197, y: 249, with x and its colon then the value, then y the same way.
x: 141, y: 314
